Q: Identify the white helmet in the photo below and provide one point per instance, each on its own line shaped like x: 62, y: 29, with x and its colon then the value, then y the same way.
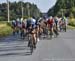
x: 13, y: 21
x: 51, y: 17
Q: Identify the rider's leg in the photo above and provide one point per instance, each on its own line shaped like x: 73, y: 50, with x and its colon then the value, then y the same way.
x: 34, y: 40
x: 13, y: 30
x: 37, y: 34
x: 51, y: 30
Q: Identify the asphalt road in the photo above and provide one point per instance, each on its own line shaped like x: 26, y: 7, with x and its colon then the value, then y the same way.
x: 62, y: 48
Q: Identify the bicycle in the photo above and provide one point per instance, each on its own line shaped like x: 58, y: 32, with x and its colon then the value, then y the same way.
x: 30, y: 43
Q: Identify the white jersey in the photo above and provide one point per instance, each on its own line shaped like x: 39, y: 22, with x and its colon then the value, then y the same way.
x: 20, y: 25
x: 33, y: 21
x: 25, y: 22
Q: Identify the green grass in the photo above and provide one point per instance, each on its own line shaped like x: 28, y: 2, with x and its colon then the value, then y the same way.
x: 72, y: 22
x: 5, y: 29
x: 70, y: 27
x: 3, y: 22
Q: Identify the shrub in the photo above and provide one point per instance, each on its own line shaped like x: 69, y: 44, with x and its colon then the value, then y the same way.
x: 9, y: 24
x: 2, y: 18
x: 5, y: 30
x: 72, y: 22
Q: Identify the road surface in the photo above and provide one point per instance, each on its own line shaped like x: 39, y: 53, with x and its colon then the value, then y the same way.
x: 62, y: 48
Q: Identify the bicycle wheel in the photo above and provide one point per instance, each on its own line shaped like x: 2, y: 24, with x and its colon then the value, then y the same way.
x: 56, y: 33
x: 30, y: 44
x: 51, y: 35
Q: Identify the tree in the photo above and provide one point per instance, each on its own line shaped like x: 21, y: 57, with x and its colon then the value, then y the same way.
x: 15, y: 10
x: 67, y: 6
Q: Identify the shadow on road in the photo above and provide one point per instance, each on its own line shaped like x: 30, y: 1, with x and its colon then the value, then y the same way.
x: 14, y: 45
x: 17, y: 50
x: 18, y: 54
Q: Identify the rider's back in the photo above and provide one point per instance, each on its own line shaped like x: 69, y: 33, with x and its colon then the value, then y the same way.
x: 28, y: 21
x: 14, y: 23
x: 50, y: 21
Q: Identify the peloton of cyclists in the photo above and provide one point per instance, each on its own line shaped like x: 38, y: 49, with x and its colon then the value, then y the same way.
x: 36, y: 27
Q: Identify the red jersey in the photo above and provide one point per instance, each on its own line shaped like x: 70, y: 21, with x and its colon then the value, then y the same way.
x: 23, y: 25
x: 50, y: 21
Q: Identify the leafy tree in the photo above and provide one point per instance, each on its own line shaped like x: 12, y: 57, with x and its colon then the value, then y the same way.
x: 16, y: 10
x: 63, y: 6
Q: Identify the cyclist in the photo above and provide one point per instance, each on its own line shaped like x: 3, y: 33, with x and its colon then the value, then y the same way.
x: 50, y: 24
x: 23, y: 29
x: 14, y: 26
x: 56, y: 22
x: 64, y: 23
x: 45, y: 29
x: 19, y: 25
x: 56, y: 25
x: 31, y: 24
x: 60, y: 24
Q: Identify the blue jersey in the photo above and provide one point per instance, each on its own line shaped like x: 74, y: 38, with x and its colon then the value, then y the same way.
x: 28, y: 21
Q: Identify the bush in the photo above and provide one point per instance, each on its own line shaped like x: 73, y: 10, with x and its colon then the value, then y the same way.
x: 9, y: 24
x: 2, y: 18
x: 3, y: 22
x: 72, y: 22
x: 5, y: 30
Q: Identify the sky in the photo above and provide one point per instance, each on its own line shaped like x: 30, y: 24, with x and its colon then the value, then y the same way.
x: 43, y: 5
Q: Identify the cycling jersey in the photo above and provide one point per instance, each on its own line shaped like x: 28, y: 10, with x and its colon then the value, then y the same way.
x: 19, y: 24
x: 28, y: 24
x: 23, y: 25
x: 13, y: 23
x: 33, y: 23
x: 56, y: 21
x: 50, y: 21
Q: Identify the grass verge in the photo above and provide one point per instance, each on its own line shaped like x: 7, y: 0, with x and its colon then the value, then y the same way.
x: 70, y: 27
x: 5, y: 30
